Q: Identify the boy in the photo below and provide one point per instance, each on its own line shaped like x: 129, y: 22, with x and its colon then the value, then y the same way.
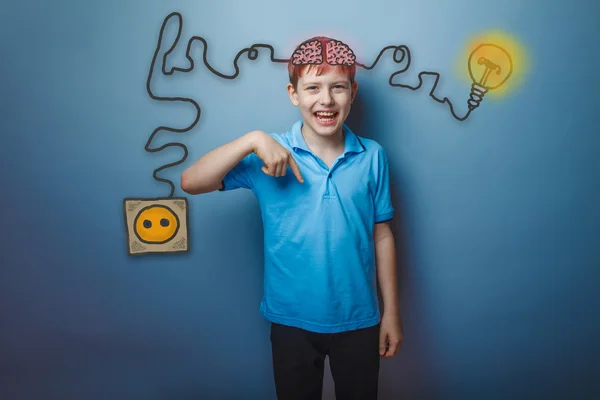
x: 326, y: 231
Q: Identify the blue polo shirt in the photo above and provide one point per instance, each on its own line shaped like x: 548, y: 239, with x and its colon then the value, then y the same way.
x: 318, y: 235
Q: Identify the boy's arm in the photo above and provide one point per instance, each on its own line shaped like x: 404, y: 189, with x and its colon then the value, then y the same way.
x: 207, y: 173
x: 385, y: 260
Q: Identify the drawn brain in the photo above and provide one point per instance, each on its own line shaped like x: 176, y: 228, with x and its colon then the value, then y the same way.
x: 339, y: 53
x: 311, y: 52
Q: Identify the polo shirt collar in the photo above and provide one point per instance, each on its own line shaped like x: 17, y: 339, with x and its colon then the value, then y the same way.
x: 351, y: 142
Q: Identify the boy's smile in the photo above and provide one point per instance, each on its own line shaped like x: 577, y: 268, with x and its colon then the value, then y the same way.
x: 326, y: 118
x: 324, y: 101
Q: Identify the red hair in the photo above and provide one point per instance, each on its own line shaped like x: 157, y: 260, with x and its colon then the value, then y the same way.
x: 296, y: 71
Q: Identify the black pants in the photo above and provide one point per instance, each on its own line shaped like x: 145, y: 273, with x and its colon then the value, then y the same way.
x: 299, y: 356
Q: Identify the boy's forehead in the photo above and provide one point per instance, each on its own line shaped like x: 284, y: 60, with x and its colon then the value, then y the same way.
x: 327, y: 76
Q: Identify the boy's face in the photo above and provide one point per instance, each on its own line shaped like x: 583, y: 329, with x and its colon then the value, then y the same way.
x: 324, y: 101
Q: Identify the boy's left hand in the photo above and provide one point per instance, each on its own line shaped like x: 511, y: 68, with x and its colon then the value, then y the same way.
x: 390, y: 335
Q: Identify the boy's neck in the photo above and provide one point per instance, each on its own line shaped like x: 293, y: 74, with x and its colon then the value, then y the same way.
x: 320, y: 145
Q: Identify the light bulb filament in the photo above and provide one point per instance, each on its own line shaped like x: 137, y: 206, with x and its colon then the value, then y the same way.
x: 489, y: 68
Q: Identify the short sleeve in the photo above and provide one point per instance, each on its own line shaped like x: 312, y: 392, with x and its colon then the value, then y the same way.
x: 240, y: 176
x: 384, y: 211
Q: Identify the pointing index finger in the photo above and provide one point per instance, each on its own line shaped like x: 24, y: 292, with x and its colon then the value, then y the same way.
x: 294, y: 166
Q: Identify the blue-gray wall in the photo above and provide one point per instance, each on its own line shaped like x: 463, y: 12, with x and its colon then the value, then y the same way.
x: 498, y: 217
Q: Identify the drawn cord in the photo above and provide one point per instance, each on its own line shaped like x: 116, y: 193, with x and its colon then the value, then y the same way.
x: 400, y: 53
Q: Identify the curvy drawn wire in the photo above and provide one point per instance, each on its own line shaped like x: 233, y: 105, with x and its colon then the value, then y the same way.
x: 253, y: 55
x: 406, y: 53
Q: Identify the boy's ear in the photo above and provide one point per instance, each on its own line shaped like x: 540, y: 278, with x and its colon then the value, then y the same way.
x: 354, y: 89
x: 293, y: 94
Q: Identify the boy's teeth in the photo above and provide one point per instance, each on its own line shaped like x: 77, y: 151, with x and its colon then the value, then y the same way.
x: 325, y: 116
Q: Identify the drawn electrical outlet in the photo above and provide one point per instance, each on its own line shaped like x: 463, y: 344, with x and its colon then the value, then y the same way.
x: 157, y: 225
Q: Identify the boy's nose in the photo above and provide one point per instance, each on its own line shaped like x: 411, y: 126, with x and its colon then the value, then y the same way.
x: 326, y: 98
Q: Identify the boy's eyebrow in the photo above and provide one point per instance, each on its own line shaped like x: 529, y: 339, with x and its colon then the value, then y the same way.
x: 310, y: 83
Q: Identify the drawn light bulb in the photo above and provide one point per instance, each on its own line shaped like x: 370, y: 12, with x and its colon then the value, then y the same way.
x: 490, y: 66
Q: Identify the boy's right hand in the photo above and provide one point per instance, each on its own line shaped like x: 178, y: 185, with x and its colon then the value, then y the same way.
x: 275, y: 157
